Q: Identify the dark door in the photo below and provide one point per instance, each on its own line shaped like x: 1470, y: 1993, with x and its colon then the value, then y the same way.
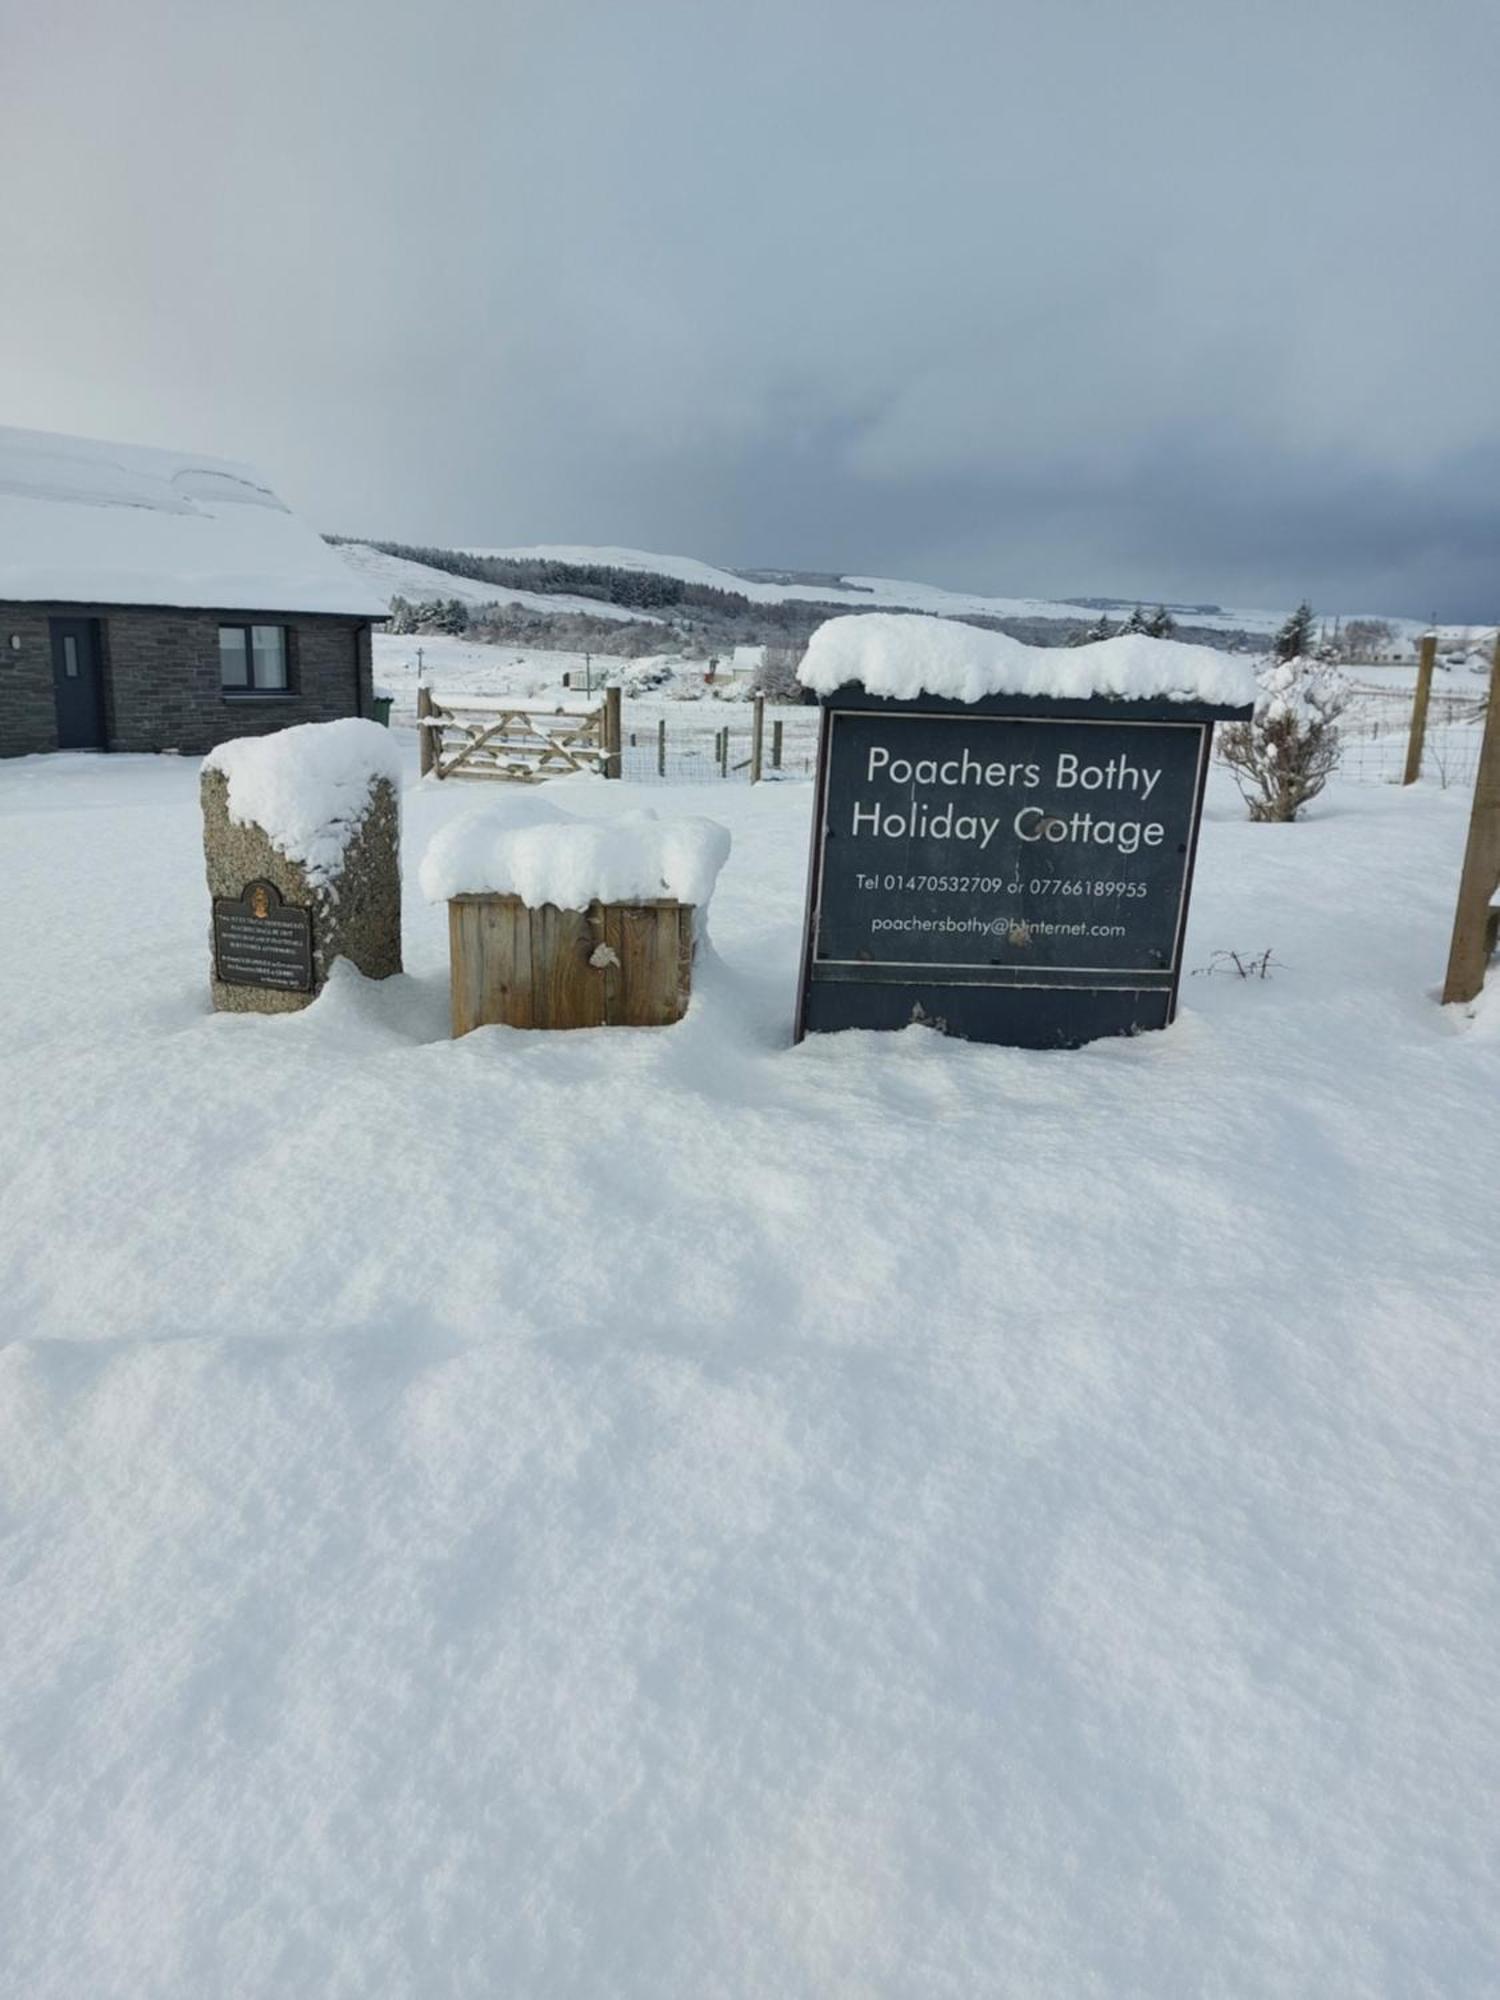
x: 79, y: 684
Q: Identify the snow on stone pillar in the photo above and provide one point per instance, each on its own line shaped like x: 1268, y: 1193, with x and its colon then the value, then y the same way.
x: 302, y: 841
x: 558, y: 922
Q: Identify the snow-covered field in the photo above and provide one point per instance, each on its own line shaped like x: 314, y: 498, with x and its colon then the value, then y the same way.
x: 666, y: 1514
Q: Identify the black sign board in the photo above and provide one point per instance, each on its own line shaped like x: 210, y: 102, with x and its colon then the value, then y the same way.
x: 262, y: 941
x: 1009, y: 870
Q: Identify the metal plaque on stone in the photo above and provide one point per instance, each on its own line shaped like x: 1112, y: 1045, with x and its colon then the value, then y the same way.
x: 259, y: 940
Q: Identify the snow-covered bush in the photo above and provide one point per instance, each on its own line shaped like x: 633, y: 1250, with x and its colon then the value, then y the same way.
x: 776, y: 676
x: 1283, y: 756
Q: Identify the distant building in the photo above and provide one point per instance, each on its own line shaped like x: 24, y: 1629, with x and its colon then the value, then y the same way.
x: 154, y: 600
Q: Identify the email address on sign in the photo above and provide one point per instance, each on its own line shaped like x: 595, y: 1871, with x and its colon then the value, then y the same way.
x: 1015, y: 928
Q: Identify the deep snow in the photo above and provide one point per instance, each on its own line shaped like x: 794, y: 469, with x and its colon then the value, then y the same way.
x: 663, y: 1513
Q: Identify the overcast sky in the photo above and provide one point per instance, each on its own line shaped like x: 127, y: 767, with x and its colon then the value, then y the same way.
x: 1160, y: 298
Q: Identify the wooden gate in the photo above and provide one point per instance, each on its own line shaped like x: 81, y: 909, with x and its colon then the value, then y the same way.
x: 522, y: 742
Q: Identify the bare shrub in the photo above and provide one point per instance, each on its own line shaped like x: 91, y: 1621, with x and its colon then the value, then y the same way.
x: 776, y: 676
x: 1285, y: 754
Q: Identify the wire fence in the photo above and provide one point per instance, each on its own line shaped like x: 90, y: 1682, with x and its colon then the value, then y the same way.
x: 1376, y: 725
x: 664, y: 751
x: 1374, y: 732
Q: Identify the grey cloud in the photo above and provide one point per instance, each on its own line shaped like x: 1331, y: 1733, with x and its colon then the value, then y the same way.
x: 1034, y: 295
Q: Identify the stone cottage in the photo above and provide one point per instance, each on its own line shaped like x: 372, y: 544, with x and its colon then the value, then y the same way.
x: 155, y: 600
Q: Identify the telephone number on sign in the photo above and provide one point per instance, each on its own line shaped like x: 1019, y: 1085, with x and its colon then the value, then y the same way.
x: 963, y: 885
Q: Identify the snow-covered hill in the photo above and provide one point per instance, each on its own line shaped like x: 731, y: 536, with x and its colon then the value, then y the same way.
x: 868, y: 593
x: 399, y: 576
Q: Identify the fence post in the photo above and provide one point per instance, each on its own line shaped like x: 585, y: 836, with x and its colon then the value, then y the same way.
x: 1427, y: 658
x: 424, y: 735
x: 1474, y: 923
x: 661, y: 747
x: 613, y: 763
x: 776, y: 744
x: 757, y: 737
x: 724, y: 751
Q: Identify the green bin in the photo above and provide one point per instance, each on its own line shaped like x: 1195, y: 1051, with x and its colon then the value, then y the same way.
x: 380, y: 708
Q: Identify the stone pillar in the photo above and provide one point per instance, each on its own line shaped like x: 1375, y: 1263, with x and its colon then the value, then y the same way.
x: 287, y: 901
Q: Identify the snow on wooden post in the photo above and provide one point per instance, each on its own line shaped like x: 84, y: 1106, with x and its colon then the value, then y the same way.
x: 1476, y: 922
x: 1427, y: 659
x: 302, y: 845
x: 559, y: 922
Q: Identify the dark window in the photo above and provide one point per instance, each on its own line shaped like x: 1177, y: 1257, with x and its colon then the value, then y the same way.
x: 252, y: 659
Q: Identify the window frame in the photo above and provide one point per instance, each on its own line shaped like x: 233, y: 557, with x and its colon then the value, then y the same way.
x: 249, y: 689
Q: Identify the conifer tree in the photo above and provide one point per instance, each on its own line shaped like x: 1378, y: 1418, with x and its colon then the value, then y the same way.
x: 1161, y: 624
x: 1136, y: 622
x: 1294, y: 640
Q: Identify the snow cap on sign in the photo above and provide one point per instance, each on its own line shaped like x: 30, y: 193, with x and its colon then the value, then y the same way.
x: 902, y: 657
x: 308, y: 788
x: 525, y: 847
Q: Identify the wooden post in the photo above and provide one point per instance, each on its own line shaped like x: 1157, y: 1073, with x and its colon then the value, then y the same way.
x: 1474, y: 923
x: 614, y: 964
x: 724, y: 751
x: 424, y: 735
x: 757, y: 736
x: 1426, y: 660
x: 613, y: 766
x: 661, y: 747
x: 776, y: 744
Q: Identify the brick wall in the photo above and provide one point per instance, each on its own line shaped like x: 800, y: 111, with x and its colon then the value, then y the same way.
x: 161, y: 677
x: 28, y: 714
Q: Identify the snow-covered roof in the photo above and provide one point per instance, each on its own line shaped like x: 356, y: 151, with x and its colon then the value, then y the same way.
x: 83, y: 522
x: 903, y: 657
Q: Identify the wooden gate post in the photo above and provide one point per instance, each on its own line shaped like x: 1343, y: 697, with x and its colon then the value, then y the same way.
x: 757, y: 737
x: 1474, y: 923
x: 1427, y: 658
x: 613, y: 766
x: 424, y: 734
x: 776, y: 745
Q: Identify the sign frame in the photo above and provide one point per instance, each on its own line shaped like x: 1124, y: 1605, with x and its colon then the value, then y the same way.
x: 1031, y: 1006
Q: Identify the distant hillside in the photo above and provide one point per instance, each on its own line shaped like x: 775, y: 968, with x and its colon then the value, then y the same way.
x: 631, y: 601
